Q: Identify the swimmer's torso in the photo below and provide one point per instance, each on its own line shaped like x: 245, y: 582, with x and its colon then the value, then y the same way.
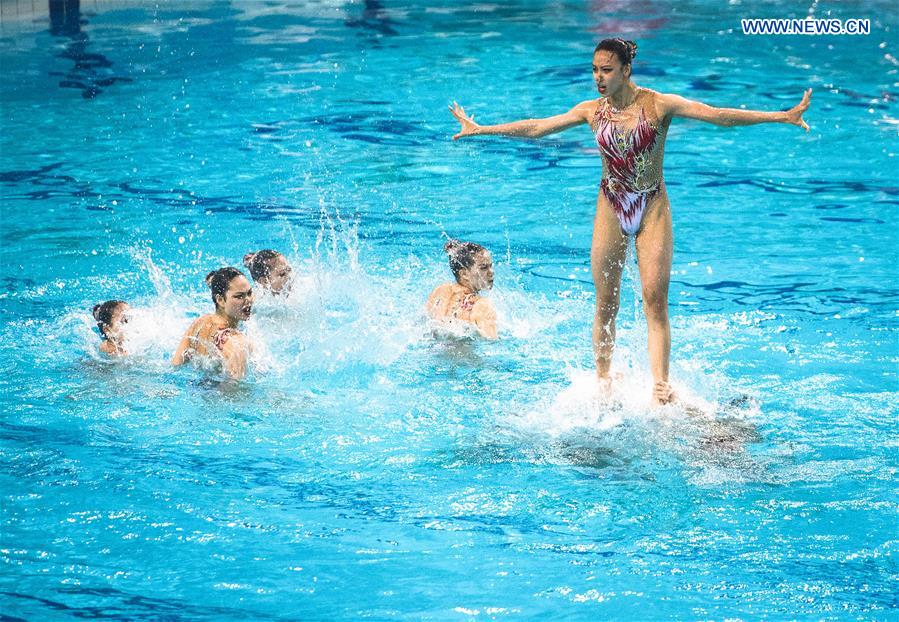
x: 451, y: 301
x: 632, y: 145
x: 206, y: 337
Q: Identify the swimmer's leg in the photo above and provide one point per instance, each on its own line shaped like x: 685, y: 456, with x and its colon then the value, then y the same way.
x: 655, y: 246
x: 607, y: 256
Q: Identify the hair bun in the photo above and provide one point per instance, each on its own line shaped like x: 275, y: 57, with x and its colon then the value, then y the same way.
x: 632, y: 48
x: 209, y: 276
x: 248, y: 259
x: 96, y: 312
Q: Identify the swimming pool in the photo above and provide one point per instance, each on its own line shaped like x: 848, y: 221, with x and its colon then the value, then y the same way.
x: 364, y: 470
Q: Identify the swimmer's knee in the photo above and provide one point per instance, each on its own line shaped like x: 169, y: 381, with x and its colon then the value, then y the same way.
x: 655, y: 303
x: 606, y: 310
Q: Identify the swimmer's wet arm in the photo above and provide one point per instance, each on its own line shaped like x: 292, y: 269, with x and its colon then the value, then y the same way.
x: 677, y: 106
x: 235, y: 352
x: 527, y: 128
x: 179, y: 358
x: 484, y: 317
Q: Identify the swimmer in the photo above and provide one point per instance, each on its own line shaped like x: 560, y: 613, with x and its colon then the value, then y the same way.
x: 270, y: 270
x: 111, y: 317
x: 472, y: 266
x: 215, y: 335
x: 629, y: 124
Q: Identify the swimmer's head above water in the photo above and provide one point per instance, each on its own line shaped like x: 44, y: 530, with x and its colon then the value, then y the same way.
x: 612, y: 65
x: 231, y: 293
x: 471, y: 264
x: 270, y: 269
x: 111, y: 317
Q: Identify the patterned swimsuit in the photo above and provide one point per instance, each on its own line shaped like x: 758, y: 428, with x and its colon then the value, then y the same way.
x: 631, y: 170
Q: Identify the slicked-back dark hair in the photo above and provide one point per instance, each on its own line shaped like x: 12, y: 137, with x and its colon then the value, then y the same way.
x: 625, y: 50
x: 103, y: 314
x: 218, y: 281
x: 260, y: 263
x: 462, y: 255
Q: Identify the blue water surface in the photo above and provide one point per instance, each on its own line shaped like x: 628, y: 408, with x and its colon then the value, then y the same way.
x: 364, y: 470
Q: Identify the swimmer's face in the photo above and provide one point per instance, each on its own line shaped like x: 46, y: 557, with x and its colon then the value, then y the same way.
x: 480, y: 275
x: 237, y: 303
x: 608, y: 73
x: 115, y: 330
x: 278, y: 279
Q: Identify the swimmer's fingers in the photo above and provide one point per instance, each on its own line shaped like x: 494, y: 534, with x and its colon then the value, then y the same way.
x: 459, y: 115
x: 468, y: 124
x: 806, y: 100
x: 457, y: 111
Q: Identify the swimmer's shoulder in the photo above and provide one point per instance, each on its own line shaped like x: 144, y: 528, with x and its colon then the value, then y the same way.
x: 209, y: 324
x: 195, y: 337
x: 197, y: 325
x: 483, y: 311
x: 231, y: 340
x: 658, y: 101
x: 482, y: 307
x: 440, y: 293
x: 588, y: 108
x: 107, y: 347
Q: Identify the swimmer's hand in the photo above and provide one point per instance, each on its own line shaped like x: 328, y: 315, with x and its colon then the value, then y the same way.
x: 794, y: 114
x: 469, y: 127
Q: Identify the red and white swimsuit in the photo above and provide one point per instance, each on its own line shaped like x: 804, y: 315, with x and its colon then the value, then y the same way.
x: 630, y: 178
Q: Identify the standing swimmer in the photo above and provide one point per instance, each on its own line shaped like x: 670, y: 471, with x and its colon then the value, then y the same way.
x: 216, y: 334
x: 270, y: 270
x: 472, y: 266
x: 630, y: 124
x: 111, y: 318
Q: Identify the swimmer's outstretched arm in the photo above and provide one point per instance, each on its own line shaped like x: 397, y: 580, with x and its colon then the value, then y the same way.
x: 527, y: 128
x: 677, y: 106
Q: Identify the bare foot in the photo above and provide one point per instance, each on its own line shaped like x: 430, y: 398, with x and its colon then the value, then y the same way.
x: 663, y: 394
x: 605, y: 387
x: 605, y: 384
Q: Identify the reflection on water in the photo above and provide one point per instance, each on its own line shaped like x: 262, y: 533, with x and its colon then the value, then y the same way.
x: 91, y: 70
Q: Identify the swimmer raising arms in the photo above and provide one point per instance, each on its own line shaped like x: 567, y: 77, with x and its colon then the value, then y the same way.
x: 111, y: 317
x: 472, y: 266
x: 216, y: 334
x: 630, y: 124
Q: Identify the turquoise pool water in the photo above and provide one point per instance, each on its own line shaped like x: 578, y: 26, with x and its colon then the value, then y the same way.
x: 364, y: 470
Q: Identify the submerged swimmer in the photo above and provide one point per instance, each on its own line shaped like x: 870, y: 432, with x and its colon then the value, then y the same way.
x: 111, y: 318
x: 472, y: 266
x: 629, y: 124
x: 270, y: 270
x: 215, y: 335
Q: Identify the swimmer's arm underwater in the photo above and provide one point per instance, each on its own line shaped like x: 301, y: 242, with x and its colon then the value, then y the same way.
x: 527, y: 128
x: 677, y: 106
